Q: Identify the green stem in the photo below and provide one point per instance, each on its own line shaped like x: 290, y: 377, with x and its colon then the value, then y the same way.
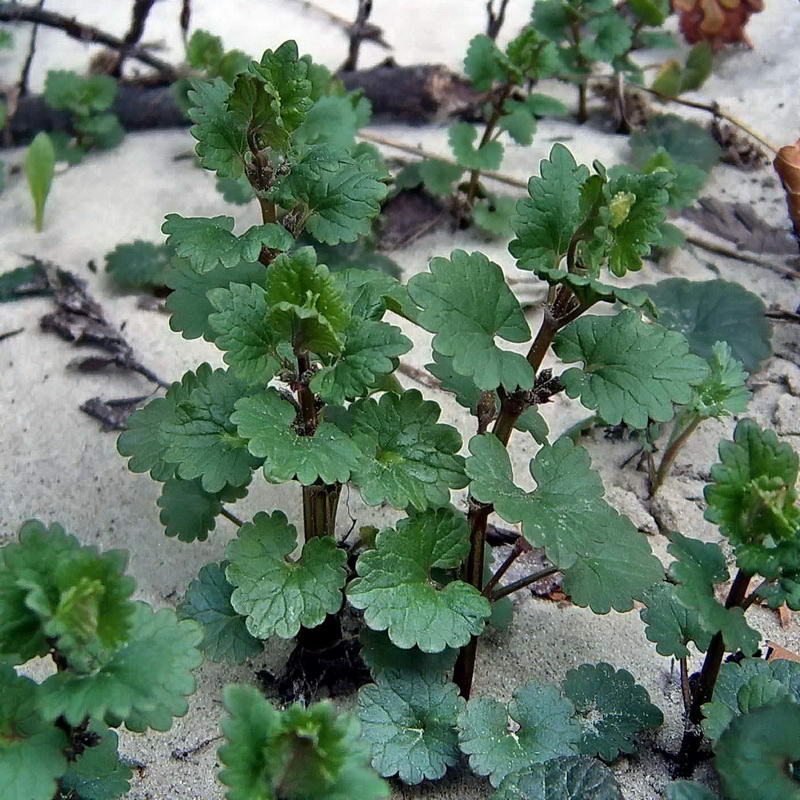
x: 692, y: 738
x: 584, y: 67
x: 497, y: 112
x: 671, y: 452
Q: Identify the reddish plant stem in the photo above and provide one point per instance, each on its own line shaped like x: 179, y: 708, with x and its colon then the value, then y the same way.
x: 528, y: 580
x: 692, y: 737
x: 510, y: 409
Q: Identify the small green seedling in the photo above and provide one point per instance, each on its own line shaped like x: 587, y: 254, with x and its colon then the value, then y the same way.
x: 88, y: 100
x: 117, y: 662
x: 40, y: 162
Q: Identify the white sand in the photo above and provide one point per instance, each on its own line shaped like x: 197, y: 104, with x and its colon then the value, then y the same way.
x: 58, y: 466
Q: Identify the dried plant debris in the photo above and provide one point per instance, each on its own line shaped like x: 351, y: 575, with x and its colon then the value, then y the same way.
x: 411, y: 213
x: 787, y: 165
x: 630, y: 108
x: 112, y: 414
x: 80, y: 319
x: 737, y: 149
x: 738, y: 223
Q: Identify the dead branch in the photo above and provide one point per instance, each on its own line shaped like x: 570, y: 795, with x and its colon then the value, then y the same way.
x: 15, y: 12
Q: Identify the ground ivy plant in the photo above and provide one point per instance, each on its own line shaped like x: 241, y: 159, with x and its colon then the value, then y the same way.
x: 116, y: 662
x: 88, y: 100
x: 308, y: 396
x: 752, y: 498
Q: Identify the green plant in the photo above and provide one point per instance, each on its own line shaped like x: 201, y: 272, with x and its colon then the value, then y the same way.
x: 39, y: 169
x: 117, y: 662
x: 512, y: 108
x: 88, y: 100
x: 752, y: 497
x: 294, y: 754
x: 309, y: 396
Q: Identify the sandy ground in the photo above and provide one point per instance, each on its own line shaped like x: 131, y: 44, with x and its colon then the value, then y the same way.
x: 56, y: 464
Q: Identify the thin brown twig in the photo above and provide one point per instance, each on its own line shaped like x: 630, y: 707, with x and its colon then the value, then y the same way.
x: 15, y: 12
x: 231, y: 516
x: 494, y: 19
x: 509, y: 588
x: 139, y: 13
x: 713, y: 108
x: 357, y: 35
x: 22, y: 83
x: 414, y: 150
x: 729, y: 252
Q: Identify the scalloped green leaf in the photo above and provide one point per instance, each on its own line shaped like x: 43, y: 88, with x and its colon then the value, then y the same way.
x: 684, y: 140
x: 670, y: 624
x: 538, y: 725
x: 277, y: 595
x: 199, y: 436
x: 189, y: 512
x: 563, y: 778
x: 221, y: 140
x: 293, y: 754
x: 409, y: 721
x: 380, y: 655
x: 752, y: 496
x: 462, y: 136
x: 408, y: 458
x: 722, y: 393
x: 754, y: 755
x: 370, y: 351
x: 272, y: 96
x: 395, y: 589
x: 338, y: 194
x: 690, y: 790
x: 306, y: 308
x: 699, y: 566
x: 439, y: 177
x: 709, y: 311
x: 466, y: 302
x: 188, y: 302
x: 611, y: 708
x: 75, y: 597
x: 748, y: 684
x: 483, y: 63
x: 31, y: 749
x: 607, y: 563
x: 206, y: 242
x: 142, y: 442
x: 144, y: 683
x: 242, y: 332
x: 633, y: 372
x: 265, y: 422
x: 139, y: 264
x: 208, y: 602
x: 549, y: 216
x: 636, y: 206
